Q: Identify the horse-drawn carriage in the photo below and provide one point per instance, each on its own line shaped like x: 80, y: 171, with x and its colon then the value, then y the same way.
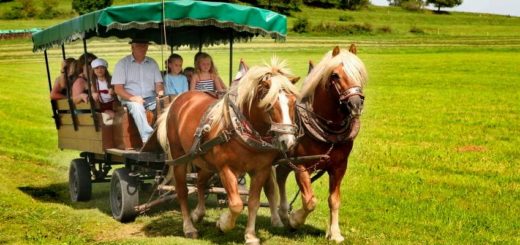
x: 244, y: 132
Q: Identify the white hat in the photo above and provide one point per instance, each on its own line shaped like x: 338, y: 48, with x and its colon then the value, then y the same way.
x: 99, y: 62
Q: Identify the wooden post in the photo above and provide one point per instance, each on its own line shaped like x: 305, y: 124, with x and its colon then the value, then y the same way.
x: 54, y: 106
x: 91, y: 100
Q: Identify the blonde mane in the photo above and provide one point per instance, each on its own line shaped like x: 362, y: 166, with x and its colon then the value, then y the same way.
x: 247, y: 87
x: 352, y: 65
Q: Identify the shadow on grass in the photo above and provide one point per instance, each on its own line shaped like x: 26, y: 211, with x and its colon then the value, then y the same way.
x: 171, y: 225
x: 166, y: 219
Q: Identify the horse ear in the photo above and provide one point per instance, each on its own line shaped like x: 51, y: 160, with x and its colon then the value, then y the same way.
x: 311, y: 66
x: 353, y: 49
x: 294, y: 80
x: 335, y: 51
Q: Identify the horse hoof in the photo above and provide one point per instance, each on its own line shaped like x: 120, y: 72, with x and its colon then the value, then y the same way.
x: 191, y: 235
x: 196, y: 218
x: 277, y: 224
x: 253, y: 241
x: 336, y: 238
x: 223, y: 229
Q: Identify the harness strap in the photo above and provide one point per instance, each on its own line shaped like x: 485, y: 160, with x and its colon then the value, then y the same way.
x: 196, y: 150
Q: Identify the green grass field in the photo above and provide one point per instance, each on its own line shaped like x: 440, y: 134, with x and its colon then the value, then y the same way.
x: 436, y: 161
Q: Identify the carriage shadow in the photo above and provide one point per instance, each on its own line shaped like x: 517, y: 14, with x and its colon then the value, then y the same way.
x: 59, y: 193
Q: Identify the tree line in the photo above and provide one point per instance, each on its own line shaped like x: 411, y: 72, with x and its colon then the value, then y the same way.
x: 27, y: 8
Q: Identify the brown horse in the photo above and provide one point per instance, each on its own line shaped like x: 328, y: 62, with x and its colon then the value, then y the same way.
x: 253, y: 132
x: 329, y: 110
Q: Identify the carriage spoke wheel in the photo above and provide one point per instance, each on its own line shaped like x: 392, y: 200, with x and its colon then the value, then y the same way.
x: 124, y: 195
x: 80, y: 183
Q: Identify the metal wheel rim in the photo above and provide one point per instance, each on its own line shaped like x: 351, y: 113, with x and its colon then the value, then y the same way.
x: 74, y: 188
x: 117, y: 199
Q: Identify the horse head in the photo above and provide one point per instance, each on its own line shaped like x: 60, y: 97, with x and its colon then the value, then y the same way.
x: 343, y: 75
x: 346, y: 79
x: 270, y: 95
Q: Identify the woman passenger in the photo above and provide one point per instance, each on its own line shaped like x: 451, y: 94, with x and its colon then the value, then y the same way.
x: 80, y: 86
x: 59, y: 90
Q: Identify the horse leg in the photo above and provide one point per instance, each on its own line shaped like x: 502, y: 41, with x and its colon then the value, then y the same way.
x: 297, y: 218
x: 182, y: 195
x: 200, y: 211
x: 272, y: 194
x: 281, y: 177
x: 333, y: 230
x: 258, y: 179
x: 228, y: 219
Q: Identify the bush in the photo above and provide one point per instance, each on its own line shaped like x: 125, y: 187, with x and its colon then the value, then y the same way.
x: 416, y: 30
x: 327, y: 4
x: 412, y: 5
x: 23, y: 9
x: 16, y: 12
x: 301, y: 25
x: 332, y: 27
x: 353, y: 4
x: 384, y: 29
x: 87, y: 6
x: 48, y: 9
x: 346, y: 18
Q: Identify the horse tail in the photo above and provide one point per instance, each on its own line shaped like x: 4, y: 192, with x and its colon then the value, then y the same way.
x: 162, y: 130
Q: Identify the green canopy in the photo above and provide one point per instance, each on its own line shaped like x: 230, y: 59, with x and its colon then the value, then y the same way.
x: 187, y: 22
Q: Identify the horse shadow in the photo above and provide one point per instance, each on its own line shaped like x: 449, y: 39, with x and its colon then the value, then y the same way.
x: 166, y: 218
x: 171, y: 225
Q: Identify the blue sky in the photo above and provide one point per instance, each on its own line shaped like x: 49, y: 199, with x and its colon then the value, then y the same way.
x: 503, y: 7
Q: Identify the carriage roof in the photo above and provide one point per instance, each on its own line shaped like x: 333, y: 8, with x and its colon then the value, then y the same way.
x: 187, y: 22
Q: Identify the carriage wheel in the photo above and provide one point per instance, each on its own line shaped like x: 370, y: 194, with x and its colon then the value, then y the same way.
x: 80, y: 183
x: 124, y: 195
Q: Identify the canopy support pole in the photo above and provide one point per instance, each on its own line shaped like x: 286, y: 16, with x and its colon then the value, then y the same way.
x: 63, y: 51
x: 89, y: 89
x: 54, y: 105
x: 230, y: 57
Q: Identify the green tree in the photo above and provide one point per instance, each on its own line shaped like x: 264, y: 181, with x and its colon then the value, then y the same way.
x: 86, y: 6
x: 444, y: 3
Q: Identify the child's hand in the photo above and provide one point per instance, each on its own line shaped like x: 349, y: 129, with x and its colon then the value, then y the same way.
x: 84, y: 97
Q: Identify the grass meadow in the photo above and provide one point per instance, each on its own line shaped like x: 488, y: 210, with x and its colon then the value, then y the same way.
x: 436, y: 160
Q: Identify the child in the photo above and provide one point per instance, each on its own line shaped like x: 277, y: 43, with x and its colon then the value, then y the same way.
x: 175, y: 82
x: 102, y: 91
x: 188, y: 72
x: 206, y: 77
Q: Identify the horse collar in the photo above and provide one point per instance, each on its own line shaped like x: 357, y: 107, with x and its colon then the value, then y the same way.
x: 245, y: 131
x: 321, y: 131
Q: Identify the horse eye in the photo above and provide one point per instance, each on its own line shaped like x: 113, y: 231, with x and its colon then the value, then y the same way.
x: 334, y: 76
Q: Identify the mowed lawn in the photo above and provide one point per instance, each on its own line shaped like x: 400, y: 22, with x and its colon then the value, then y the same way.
x: 436, y: 161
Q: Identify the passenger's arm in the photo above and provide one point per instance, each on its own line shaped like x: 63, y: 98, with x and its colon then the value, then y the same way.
x: 193, y: 82
x: 78, y: 96
x: 56, y: 91
x: 121, y: 91
x: 219, y: 84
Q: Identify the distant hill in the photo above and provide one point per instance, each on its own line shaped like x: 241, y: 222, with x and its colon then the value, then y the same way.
x: 374, y: 22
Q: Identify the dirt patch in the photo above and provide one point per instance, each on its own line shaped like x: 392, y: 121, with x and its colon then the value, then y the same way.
x: 471, y: 148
